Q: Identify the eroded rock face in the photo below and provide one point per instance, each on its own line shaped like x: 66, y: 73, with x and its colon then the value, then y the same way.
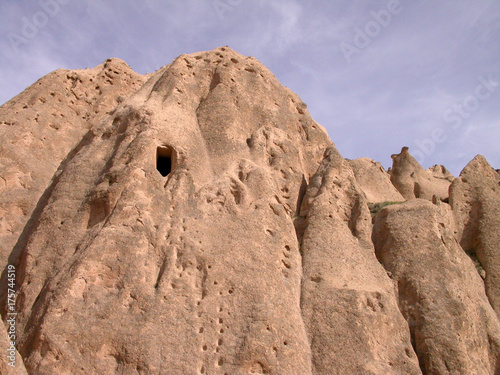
x: 374, y: 181
x: 348, y: 302
x: 440, y: 172
x: 40, y: 127
x: 412, y: 181
x: 475, y: 199
x: 197, y: 221
x: 441, y: 295
x: 204, y: 260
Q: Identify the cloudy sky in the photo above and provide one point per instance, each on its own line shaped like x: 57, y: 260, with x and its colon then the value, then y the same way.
x: 378, y: 75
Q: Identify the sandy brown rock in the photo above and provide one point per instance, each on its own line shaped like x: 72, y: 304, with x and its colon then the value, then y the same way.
x: 440, y: 172
x: 196, y: 220
x: 39, y: 128
x: 203, y: 265
x: 475, y: 199
x: 374, y: 180
x: 454, y: 328
x: 412, y: 181
x: 348, y: 302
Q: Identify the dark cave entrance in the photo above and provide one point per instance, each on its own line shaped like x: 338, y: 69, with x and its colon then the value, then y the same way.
x: 165, y: 161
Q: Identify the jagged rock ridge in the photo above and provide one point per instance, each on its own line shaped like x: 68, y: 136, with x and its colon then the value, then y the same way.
x: 198, y: 221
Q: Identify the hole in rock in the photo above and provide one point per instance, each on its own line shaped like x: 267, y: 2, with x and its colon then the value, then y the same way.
x: 165, y: 160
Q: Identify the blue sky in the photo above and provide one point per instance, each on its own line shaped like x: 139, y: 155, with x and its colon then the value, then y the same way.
x: 378, y: 75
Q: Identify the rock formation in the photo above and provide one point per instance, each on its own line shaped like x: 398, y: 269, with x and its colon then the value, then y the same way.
x: 412, y: 181
x: 374, y: 181
x: 475, y: 199
x: 40, y: 127
x: 440, y: 172
x: 441, y: 295
x: 348, y: 302
x: 198, y: 221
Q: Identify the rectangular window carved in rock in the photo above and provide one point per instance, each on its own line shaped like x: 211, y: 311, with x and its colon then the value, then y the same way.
x: 165, y: 160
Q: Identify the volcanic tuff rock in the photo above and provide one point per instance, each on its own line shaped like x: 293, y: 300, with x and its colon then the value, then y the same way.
x: 198, y: 221
x: 440, y: 172
x: 40, y: 127
x: 413, y: 181
x: 374, y: 181
x: 348, y: 304
x: 441, y: 295
x: 475, y: 199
